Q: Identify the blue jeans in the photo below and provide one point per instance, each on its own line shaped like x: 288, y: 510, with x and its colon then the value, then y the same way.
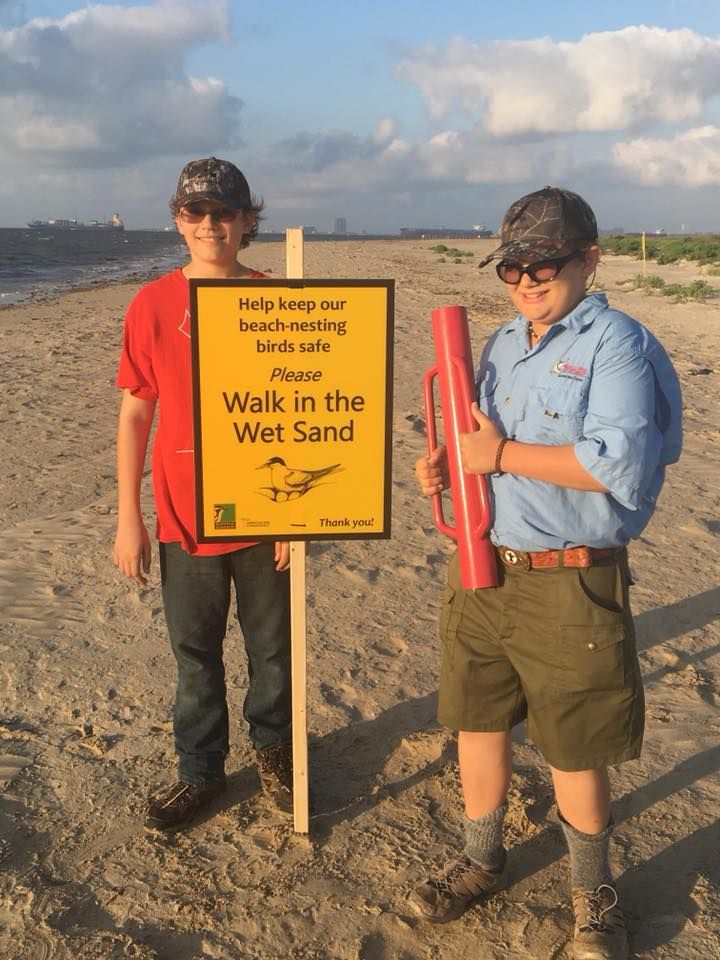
x: 196, y: 597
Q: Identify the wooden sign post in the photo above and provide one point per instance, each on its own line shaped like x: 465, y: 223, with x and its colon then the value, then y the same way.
x: 294, y: 263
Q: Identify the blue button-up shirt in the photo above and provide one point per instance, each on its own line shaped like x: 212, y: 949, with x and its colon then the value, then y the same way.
x: 597, y: 380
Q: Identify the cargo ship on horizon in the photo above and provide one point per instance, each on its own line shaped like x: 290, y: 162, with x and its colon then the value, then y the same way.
x: 114, y: 223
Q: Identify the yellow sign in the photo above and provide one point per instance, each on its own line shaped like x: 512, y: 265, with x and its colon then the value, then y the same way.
x: 292, y: 384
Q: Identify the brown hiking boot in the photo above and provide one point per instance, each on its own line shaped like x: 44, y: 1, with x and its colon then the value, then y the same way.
x: 599, y: 925
x: 447, y: 895
x: 177, y: 805
x: 274, y: 767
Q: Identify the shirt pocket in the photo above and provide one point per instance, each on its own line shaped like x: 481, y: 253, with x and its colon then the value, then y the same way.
x: 554, y: 416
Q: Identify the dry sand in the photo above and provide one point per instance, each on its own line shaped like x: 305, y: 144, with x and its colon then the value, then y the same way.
x: 86, y: 681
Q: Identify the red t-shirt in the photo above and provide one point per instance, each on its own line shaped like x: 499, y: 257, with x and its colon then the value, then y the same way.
x: 155, y: 364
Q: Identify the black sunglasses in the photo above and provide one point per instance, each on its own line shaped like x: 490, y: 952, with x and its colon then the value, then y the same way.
x: 196, y: 212
x: 541, y: 271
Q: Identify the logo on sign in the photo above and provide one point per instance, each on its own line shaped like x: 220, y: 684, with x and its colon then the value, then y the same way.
x: 224, y: 516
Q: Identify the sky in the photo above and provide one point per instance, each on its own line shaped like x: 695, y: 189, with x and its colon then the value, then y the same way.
x: 389, y: 113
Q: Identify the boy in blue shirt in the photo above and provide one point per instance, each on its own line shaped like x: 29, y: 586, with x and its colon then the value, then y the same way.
x: 579, y: 410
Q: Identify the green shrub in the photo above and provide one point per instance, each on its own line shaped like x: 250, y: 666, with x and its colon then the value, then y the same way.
x: 696, y: 290
x: 651, y: 281
x: 454, y: 252
x: 704, y: 249
x: 625, y: 246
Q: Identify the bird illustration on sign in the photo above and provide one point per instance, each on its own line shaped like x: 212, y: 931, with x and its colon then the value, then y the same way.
x: 291, y: 483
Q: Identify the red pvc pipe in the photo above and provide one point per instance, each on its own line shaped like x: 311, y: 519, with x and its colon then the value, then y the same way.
x: 471, y: 506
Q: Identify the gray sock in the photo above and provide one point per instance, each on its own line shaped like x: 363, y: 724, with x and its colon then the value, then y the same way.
x: 484, y: 839
x: 589, y: 864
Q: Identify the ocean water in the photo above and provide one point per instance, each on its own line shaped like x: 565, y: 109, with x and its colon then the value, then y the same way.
x: 38, y: 264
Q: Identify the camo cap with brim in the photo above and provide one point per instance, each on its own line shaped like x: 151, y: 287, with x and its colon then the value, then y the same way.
x: 212, y: 179
x: 545, y: 224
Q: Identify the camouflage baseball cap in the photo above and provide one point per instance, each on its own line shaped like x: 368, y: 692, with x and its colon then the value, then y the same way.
x: 212, y: 179
x: 547, y: 223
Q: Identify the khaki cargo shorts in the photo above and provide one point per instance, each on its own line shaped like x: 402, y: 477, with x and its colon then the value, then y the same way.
x: 553, y: 646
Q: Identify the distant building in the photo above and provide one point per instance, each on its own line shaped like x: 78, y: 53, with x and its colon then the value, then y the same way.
x: 339, y: 225
x: 444, y: 233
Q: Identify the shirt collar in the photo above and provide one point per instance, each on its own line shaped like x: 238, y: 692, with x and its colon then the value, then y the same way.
x: 578, y: 319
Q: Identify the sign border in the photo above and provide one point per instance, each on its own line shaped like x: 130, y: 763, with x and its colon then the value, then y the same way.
x: 246, y: 283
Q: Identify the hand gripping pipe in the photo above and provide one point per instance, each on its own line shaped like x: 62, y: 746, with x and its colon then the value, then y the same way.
x: 471, y: 507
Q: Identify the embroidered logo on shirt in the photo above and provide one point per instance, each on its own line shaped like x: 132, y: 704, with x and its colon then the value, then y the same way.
x: 565, y: 369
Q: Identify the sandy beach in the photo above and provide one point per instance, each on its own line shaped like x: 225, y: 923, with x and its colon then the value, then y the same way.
x: 87, y: 679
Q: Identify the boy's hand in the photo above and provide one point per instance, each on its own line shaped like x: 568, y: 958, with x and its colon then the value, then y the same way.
x: 132, y: 552
x: 432, y: 472
x: 282, y: 555
x: 478, y: 449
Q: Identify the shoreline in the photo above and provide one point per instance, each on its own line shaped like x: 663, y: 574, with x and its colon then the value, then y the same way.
x: 37, y: 297
x: 52, y: 289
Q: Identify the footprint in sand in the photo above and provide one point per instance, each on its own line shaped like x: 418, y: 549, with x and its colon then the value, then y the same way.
x: 10, y: 767
x: 414, y: 753
x: 393, y: 645
x: 358, y: 575
x: 345, y: 698
x: 414, y: 423
x: 31, y: 559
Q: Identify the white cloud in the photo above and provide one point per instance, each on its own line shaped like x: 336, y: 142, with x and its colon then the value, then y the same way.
x: 107, y: 85
x: 541, y: 111
x: 604, y: 81
x: 43, y: 134
x: 691, y: 159
x: 330, y: 164
x: 86, y: 100
x: 385, y: 130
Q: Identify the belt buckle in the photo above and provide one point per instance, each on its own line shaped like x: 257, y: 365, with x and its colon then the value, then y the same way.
x: 518, y: 559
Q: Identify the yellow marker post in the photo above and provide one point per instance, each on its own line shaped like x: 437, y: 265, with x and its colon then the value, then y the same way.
x: 643, y: 248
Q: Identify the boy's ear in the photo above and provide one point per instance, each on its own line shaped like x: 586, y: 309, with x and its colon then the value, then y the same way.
x: 592, y: 258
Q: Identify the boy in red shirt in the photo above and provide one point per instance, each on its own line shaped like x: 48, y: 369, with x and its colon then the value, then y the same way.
x: 216, y: 216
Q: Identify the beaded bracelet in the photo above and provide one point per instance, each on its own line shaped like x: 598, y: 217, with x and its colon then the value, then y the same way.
x: 499, y: 453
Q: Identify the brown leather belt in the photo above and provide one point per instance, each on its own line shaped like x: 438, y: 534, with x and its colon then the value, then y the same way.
x: 582, y: 557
